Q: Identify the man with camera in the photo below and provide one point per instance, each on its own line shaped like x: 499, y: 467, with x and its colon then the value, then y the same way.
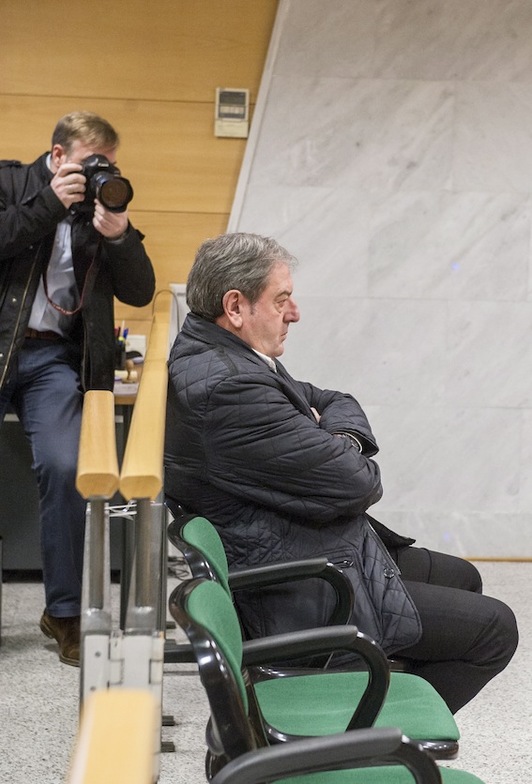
x: 67, y: 249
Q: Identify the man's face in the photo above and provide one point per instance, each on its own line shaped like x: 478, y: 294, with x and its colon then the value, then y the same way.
x: 78, y: 152
x: 265, y: 323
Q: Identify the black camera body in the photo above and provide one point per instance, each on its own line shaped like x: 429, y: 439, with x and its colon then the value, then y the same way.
x: 105, y: 183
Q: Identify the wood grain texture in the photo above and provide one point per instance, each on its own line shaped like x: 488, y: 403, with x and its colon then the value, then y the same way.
x: 117, y: 738
x: 97, y: 474
x: 172, y: 50
x: 142, y: 468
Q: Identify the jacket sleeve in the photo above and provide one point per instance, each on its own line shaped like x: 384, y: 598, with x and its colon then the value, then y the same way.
x: 131, y: 269
x: 24, y: 224
x: 340, y: 412
x: 265, y: 449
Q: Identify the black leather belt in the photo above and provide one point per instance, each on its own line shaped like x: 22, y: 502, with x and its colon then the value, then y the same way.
x: 47, y: 334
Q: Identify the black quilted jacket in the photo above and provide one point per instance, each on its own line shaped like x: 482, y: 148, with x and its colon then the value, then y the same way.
x: 243, y: 448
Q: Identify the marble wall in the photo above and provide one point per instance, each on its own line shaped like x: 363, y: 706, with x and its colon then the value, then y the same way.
x: 391, y: 152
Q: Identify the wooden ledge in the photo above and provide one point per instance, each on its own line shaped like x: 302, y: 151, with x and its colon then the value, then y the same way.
x: 97, y: 474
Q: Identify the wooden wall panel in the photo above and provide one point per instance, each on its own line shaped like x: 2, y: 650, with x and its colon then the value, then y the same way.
x: 173, y: 238
x: 178, y: 162
x: 151, y: 69
x: 172, y: 50
x: 168, y: 150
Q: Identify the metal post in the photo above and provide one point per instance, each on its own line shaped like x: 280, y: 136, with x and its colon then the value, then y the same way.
x: 163, y: 570
x: 142, y: 613
x: 146, y: 572
x: 96, y: 621
x: 96, y: 554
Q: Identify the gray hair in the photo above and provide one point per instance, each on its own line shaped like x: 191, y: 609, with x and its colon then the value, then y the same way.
x: 232, y: 261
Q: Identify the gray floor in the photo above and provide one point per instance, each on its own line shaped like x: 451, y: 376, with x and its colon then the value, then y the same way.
x: 39, y: 699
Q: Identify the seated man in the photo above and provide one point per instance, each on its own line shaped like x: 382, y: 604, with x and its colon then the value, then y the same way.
x: 285, y: 471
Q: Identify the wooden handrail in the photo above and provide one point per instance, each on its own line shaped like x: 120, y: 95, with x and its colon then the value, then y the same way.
x: 142, y: 467
x: 117, y: 738
x: 97, y: 472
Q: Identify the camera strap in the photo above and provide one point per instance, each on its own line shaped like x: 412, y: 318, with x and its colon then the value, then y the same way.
x: 88, y: 285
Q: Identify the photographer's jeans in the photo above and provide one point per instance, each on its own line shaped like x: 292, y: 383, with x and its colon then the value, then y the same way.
x: 44, y: 390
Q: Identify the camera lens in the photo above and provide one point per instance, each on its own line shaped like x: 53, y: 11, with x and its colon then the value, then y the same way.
x: 114, y: 192
x: 104, y: 183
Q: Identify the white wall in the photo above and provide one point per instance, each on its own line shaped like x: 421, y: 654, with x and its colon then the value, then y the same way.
x: 391, y: 152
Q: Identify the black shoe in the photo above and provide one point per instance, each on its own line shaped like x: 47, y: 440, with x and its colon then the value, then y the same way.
x: 65, y: 631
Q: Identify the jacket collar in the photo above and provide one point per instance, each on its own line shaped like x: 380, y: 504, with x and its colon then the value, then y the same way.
x: 211, y: 334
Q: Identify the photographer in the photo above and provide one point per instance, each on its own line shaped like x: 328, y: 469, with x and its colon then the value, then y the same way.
x: 65, y: 253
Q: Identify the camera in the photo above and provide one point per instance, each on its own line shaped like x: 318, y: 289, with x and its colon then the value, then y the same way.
x: 105, y: 183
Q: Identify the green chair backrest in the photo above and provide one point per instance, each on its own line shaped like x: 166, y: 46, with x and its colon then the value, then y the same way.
x: 203, y: 536
x: 210, y: 606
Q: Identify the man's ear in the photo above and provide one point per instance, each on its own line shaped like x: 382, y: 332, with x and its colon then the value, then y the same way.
x: 232, y: 305
x: 57, y: 155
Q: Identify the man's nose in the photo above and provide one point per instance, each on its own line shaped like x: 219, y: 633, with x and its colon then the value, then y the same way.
x: 293, y: 311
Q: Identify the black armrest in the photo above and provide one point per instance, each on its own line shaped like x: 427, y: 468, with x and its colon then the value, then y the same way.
x: 356, y: 749
x: 292, y: 571
x: 328, y: 640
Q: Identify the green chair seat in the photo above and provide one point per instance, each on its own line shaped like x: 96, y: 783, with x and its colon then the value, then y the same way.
x: 310, y: 705
x: 394, y: 774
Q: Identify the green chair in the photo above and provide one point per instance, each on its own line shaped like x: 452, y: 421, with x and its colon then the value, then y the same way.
x: 204, y: 553
x: 202, y: 548
x: 347, y: 699
x: 238, y: 745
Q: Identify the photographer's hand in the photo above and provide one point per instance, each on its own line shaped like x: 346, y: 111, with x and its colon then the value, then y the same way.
x: 112, y: 225
x: 68, y: 184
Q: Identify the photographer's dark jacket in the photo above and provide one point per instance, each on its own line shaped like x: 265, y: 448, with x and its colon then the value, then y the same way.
x: 29, y: 214
x: 243, y: 448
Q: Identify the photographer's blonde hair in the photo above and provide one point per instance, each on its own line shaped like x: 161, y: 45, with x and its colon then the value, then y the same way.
x: 86, y: 127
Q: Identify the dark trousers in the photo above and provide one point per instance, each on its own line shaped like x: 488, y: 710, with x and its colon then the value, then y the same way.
x: 467, y: 638
x: 44, y: 390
